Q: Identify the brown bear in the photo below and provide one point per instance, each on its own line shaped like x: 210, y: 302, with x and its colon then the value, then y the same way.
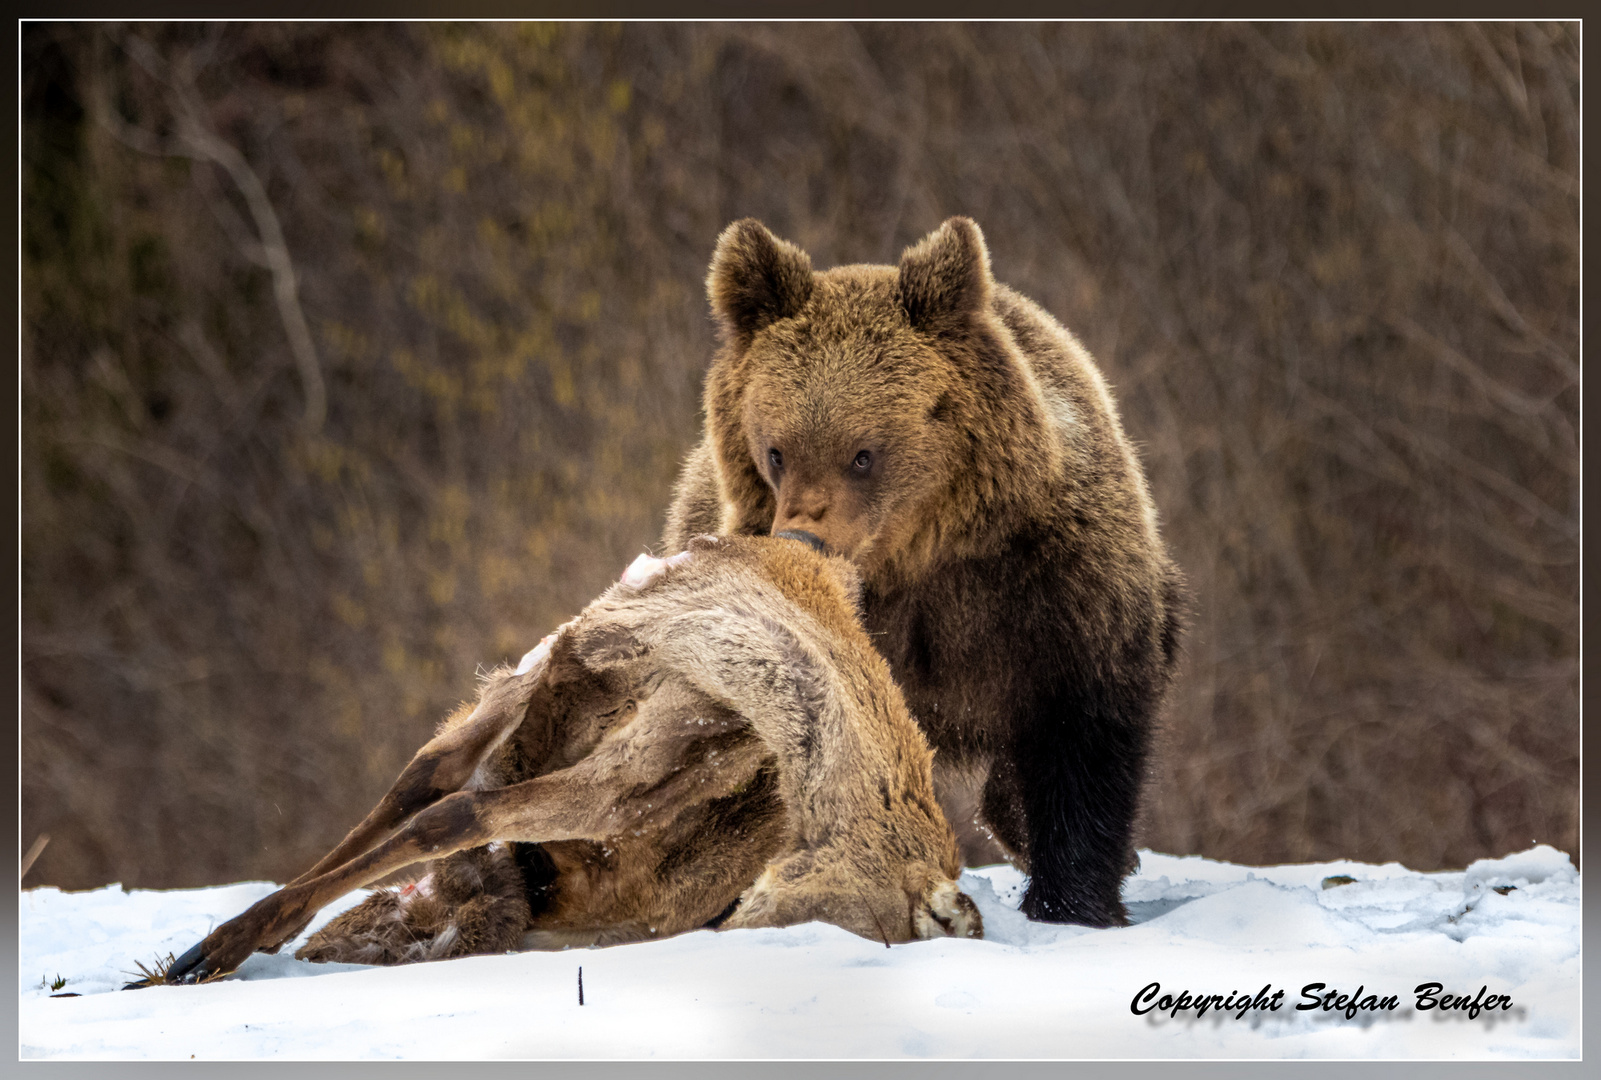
x: 958, y: 445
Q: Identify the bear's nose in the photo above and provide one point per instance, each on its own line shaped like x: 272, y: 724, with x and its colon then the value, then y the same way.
x: 811, y: 539
x: 803, y: 506
x: 810, y: 506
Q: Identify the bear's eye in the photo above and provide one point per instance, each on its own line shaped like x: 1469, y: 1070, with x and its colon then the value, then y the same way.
x: 775, y: 459
x: 863, y: 462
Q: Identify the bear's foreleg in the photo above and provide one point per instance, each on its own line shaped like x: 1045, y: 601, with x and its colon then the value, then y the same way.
x: 1076, y: 770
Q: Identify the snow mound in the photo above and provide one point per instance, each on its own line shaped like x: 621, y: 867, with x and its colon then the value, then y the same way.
x: 1536, y: 866
x: 1504, y: 927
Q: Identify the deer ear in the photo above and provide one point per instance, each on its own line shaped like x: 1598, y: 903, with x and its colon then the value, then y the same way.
x: 945, y: 277
x: 756, y: 278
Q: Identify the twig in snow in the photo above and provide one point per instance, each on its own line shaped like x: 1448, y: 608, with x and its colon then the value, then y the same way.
x: 881, y: 932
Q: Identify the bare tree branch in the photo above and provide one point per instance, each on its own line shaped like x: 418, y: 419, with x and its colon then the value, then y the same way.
x: 194, y: 138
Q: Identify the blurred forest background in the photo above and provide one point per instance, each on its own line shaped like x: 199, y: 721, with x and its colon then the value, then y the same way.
x: 357, y: 356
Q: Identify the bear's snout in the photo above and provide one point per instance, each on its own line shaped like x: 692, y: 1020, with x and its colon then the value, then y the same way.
x: 812, y: 540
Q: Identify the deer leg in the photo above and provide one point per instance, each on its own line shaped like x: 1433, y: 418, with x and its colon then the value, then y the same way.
x: 441, y: 767
x: 447, y: 761
x: 592, y: 800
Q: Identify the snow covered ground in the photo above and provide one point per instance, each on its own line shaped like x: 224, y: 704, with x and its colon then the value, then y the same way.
x: 1027, y: 990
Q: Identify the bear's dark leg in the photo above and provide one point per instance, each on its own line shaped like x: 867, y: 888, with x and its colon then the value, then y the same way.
x: 1078, y: 768
x: 1001, y: 807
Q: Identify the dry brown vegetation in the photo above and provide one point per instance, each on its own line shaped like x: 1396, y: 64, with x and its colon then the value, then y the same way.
x: 357, y: 356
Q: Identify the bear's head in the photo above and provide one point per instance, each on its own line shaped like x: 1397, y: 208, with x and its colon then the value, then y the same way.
x: 884, y: 409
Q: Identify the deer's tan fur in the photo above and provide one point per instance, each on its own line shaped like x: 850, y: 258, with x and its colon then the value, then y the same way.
x: 715, y: 728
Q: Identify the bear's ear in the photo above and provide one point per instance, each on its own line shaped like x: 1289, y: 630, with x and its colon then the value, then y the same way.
x: 756, y: 278
x: 945, y: 278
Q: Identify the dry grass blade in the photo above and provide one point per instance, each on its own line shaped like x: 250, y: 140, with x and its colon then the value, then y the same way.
x: 156, y: 975
x: 883, y: 936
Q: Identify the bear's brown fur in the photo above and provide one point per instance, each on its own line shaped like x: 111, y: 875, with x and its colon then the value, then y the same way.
x: 962, y: 449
